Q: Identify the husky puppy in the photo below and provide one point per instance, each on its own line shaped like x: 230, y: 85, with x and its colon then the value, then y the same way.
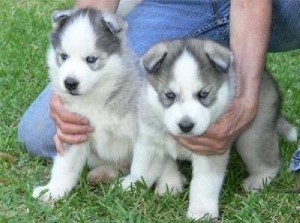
x: 190, y: 84
x: 97, y: 76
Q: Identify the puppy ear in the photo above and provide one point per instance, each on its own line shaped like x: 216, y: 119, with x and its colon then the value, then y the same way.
x: 59, y: 17
x: 220, y: 57
x: 153, y: 59
x: 114, y: 23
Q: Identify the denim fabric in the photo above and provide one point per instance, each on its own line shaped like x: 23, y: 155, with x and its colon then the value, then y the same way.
x: 154, y: 21
x: 285, y: 31
x: 295, y: 162
x: 157, y: 20
x: 36, y: 128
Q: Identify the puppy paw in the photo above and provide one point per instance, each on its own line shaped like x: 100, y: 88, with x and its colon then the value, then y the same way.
x: 256, y: 182
x: 202, y: 212
x: 173, y: 189
x: 47, y: 193
x: 102, y: 174
x: 128, y: 182
x: 173, y: 184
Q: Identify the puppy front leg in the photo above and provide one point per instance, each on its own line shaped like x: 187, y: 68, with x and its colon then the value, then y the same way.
x: 65, y: 173
x: 146, y: 164
x: 206, y: 184
x: 170, y: 178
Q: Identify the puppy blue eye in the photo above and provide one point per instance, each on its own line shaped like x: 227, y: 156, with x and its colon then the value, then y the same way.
x: 91, y: 59
x: 170, y: 95
x: 64, y: 56
x: 202, y: 94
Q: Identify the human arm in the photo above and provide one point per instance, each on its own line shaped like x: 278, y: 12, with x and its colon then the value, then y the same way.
x: 110, y: 5
x: 250, y: 22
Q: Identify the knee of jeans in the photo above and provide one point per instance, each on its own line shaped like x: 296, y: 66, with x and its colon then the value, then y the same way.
x: 285, y: 30
x: 37, y: 137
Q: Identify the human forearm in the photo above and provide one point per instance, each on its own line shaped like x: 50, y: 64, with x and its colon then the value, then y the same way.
x: 250, y: 22
x: 110, y: 5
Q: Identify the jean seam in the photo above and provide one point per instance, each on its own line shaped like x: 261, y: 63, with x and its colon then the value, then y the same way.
x: 217, y: 22
x: 222, y: 28
x: 220, y: 22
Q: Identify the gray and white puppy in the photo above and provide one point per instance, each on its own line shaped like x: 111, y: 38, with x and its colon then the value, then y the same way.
x: 190, y: 84
x: 96, y: 75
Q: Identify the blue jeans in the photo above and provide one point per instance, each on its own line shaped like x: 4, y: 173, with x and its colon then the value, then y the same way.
x: 154, y: 21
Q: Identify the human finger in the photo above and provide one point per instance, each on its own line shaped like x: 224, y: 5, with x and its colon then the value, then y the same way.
x: 203, y: 145
x: 69, y: 128
x: 59, y: 112
x: 71, y: 138
x: 58, y: 145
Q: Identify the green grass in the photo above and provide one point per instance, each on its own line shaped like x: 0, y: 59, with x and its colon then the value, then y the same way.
x: 24, y: 29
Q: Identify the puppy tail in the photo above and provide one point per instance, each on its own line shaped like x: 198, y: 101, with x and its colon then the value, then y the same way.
x: 286, y: 129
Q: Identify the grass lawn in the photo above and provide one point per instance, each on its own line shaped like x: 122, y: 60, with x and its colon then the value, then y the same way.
x: 24, y: 29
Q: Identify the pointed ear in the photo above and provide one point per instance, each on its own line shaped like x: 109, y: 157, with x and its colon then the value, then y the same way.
x: 153, y: 59
x: 114, y: 23
x: 220, y: 57
x: 59, y: 17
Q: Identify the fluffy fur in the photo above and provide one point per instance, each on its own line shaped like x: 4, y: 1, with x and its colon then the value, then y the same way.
x: 95, y: 74
x: 190, y: 84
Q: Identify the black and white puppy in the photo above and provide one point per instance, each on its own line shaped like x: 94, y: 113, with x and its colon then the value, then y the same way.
x: 190, y: 84
x: 97, y: 76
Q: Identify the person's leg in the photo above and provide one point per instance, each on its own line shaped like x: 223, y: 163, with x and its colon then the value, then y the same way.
x: 151, y: 22
x: 36, y: 128
x: 285, y: 31
x: 154, y: 21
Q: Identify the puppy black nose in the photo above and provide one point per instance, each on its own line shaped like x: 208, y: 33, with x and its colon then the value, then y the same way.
x: 186, y: 125
x: 71, y: 83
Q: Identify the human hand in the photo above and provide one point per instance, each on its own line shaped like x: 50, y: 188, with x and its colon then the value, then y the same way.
x: 71, y: 127
x: 219, y: 136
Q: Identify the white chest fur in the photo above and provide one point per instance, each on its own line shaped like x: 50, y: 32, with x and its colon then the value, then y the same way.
x: 113, y: 134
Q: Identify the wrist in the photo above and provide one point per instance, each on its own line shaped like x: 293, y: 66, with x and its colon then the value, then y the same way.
x: 110, y: 5
x: 250, y: 105
x: 248, y: 84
